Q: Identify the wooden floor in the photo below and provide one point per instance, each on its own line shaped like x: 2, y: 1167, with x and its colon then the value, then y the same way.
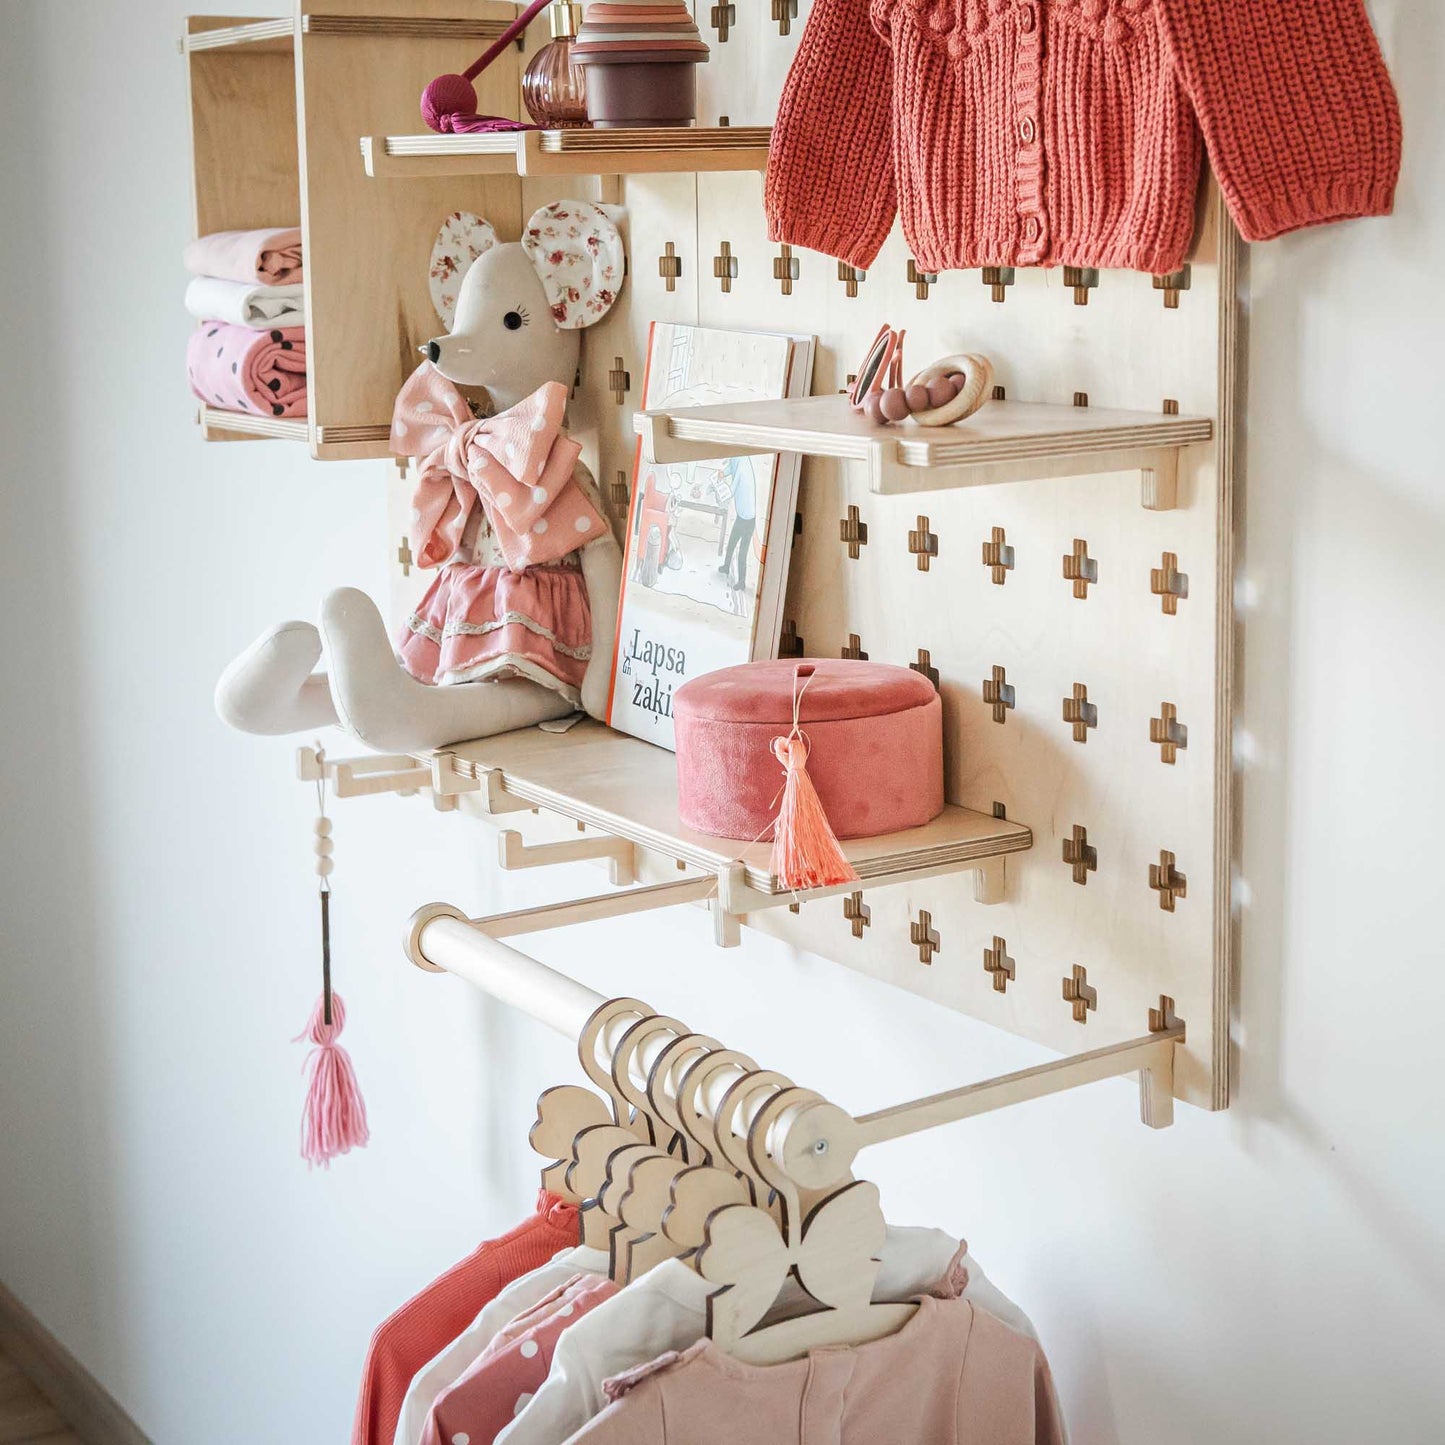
x: 26, y: 1416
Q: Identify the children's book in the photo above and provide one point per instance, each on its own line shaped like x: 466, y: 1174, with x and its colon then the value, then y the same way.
x: 705, y: 564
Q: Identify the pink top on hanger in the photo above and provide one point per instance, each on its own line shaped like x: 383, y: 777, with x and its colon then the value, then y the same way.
x: 512, y: 1368
x: 953, y: 1375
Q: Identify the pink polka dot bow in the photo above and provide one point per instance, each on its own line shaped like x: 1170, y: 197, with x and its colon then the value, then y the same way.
x: 518, y: 465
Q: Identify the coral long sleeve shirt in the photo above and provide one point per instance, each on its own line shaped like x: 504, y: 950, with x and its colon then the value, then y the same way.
x: 405, y: 1341
x: 1070, y: 132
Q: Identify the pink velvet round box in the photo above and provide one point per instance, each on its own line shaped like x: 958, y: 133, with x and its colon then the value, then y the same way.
x: 875, y: 736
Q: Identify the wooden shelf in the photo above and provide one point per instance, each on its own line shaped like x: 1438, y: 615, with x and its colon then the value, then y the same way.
x: 259, y: 36
x: 217, y: 424
x: 1007, y: 441
x: 628, y: 788
x: 569, y: 152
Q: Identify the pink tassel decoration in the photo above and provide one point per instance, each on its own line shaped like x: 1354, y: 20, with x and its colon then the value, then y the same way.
x: 806, y: 852
x: 334, y: 1120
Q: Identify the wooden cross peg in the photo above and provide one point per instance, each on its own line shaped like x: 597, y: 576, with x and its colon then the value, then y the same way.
x: 998, y: 279
x: 851, y: 277
x: 785, y: 12
x: 725, y: 266
x: 1167, y: 881
x: 998, y: 692
x: 618, y: 492
x: 1169, y: 583
x: 785, y: 269
x: 924, y: 937
x: 923, y: 544
x: 789, y: 643
x: 924, y: 666
x: 1080, y: 856
x: 1172, y: 284
x: 723, y: 18
x: 619, y: 379
x: 1081, y: 280
x: 1163, y: 1017
x: 921, y: 280
x: 669, y: 264
x: 1080, y: 568
x: 1168, y: 732
x: 404, y: 555
x: 1079, y: 711
x: 1079, y: 993
x: 853, y: 531
x: 854, y: 650
x: 998, y: 557
x: 998, y: 965
x: 858, y: 913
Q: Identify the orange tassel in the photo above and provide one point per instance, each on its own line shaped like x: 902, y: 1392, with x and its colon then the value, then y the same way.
x: 806, y: 853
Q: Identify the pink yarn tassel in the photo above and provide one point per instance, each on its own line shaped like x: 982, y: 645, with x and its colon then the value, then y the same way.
x: 806, y: 853
x: 334, y: 1120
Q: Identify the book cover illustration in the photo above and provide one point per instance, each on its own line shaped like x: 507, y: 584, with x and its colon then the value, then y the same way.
x: 707, y: 546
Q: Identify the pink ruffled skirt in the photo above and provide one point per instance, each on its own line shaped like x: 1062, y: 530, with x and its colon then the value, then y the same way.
x: 479, y: 622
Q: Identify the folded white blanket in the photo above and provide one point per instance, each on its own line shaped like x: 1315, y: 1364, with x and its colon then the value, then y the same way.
x: 242, y: 303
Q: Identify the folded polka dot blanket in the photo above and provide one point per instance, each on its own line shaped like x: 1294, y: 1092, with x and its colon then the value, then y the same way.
x: 239, y: 368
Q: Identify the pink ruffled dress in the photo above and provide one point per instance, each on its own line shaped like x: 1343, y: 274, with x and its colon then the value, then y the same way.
x: 499, y: 507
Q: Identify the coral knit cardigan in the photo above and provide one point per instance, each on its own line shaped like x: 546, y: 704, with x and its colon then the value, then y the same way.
x: 1067, y: 132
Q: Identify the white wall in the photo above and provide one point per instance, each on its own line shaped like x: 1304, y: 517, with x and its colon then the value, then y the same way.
x: 1274, y: 1274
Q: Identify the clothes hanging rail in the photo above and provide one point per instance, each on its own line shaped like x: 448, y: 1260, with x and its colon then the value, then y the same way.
x: 817, y: 1141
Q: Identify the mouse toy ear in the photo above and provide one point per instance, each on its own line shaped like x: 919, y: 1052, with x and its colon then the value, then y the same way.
x: 462, y: 238
x: 577, y: 251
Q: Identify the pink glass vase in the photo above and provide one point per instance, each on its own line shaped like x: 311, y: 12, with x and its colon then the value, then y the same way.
x: 554, y: 86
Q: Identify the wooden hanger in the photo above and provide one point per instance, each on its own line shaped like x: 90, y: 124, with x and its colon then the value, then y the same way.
x: 596, y: 1057
x: 696, y: 1122
x: 626, y: 1078
x: 663, y: 1080
x: 697, y: 1193
x: 732, y: 1111
x: 588, y: 1172
x: 562, y: 1114
x: 832, y: 1250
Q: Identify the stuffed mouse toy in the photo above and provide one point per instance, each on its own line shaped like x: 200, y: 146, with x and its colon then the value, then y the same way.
x: 517, y: 627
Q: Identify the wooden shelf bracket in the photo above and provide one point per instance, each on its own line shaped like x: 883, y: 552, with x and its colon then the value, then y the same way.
x: 363, y: 777
x: 513, y: 852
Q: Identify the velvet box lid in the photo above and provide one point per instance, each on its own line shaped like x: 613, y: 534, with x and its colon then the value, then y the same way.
x: 874, y: 735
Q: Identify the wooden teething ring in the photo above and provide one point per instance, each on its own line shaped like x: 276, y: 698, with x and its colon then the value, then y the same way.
x: 978, y: 374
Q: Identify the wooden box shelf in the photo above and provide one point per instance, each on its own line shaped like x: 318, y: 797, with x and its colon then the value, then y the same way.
x: 628, y: 789
x: 569, y: 152
x: 1007, y: 441
x: 276, y: 105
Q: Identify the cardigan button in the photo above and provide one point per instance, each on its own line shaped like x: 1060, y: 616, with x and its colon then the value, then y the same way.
x: 1033, y: 229
x: 1027, y: 20
x: 1027, y: 130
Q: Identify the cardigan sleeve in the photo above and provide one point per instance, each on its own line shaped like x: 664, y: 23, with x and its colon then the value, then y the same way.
x: 1298, y: 112
x: 830, y: 184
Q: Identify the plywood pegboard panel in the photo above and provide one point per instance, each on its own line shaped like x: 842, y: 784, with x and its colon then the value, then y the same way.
x: 1124, y: 349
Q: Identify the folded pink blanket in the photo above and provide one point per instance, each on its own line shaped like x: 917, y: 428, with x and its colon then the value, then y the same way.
x: 241, y: 369
x: 270, y: 257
